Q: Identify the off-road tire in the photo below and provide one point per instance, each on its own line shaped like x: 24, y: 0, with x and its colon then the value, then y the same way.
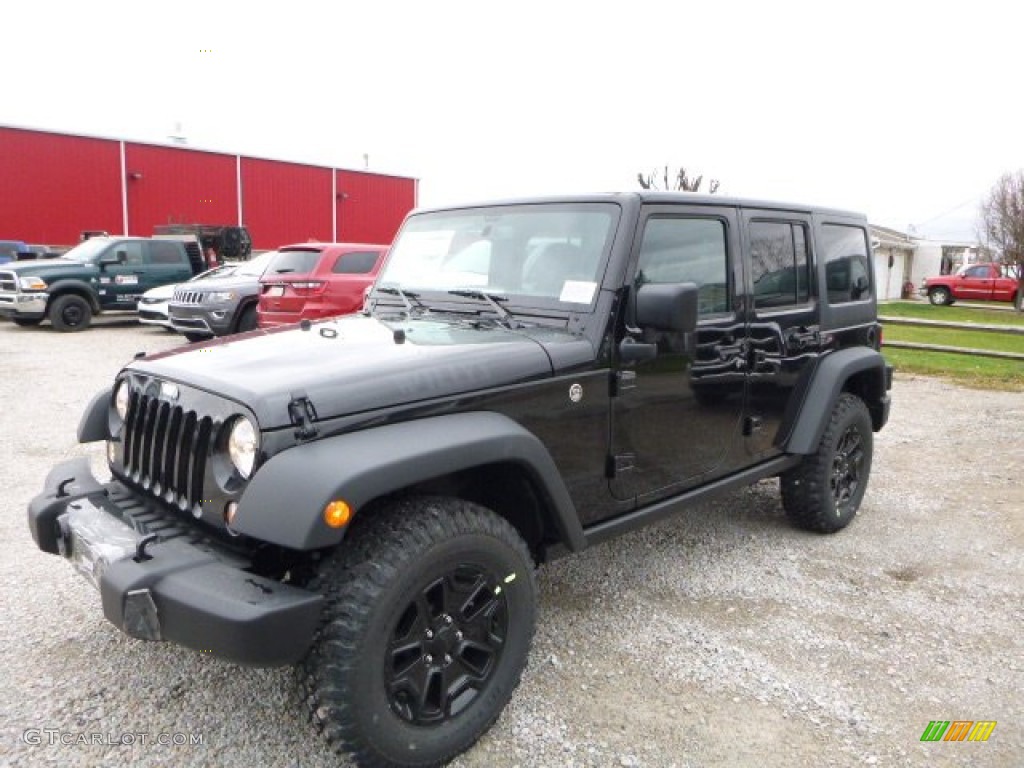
x: 247, y: 320
x: 27, y: 322
x: 940, y: 297
x: 70, y: 313
x: 824, y: 492
x: 423, y: 590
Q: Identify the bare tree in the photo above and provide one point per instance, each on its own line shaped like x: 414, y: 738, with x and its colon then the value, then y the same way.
x: 1002, y: 225
x: 680, y: 183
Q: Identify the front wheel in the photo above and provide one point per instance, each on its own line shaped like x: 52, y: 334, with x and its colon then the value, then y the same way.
x: 940, y: 296
x: 824, y: 492
x: 247, y: 322
x: 430, y: 612
x: 69, y: 313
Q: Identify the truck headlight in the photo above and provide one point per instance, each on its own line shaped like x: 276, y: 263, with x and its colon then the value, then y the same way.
x: 243, y: 443
x: 122, y: 397
x: 32, y: 283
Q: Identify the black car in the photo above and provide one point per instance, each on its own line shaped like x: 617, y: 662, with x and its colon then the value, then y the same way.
x: 219, y: 306
x: 368, y: 495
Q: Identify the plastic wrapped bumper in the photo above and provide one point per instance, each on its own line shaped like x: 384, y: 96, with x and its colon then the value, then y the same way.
x: 158, y: 581
x: 30, y: 306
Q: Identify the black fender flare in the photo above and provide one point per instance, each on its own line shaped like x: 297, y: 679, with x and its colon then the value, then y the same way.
x: 95, y: 423
x: 828, y: 380
x: 285, y: 500
x: 78, y: 287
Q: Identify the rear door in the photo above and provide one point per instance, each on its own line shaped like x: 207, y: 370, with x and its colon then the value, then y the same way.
x: 676, y: 419
x: 784, y: 331
x: 166, y: 263
x: 351, y: 273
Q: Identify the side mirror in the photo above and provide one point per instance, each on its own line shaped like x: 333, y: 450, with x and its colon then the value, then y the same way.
x: 860, y: 287
x: 667, y: 307
x: 113, y: 258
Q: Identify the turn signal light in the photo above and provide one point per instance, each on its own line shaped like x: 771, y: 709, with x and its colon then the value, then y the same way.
x: 337, y: 514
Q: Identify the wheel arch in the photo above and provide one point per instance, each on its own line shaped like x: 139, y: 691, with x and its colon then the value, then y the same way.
x: 243, y: 306
x: 64, y: 287
x: 479, y: 456
x: 860, y: 371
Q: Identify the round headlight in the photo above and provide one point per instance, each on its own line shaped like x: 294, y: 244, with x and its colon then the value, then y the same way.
x: 242, y: 446
x: 121, y: 399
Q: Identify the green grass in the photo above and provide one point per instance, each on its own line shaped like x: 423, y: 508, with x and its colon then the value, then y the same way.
x: 978, y: 372
x: 954, y: 314
x: 950, y: 337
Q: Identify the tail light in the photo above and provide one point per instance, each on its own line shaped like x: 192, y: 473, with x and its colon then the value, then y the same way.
x: 309, y: 287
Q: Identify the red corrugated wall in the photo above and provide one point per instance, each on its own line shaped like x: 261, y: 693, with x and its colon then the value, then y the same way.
x: 168, y: 185
x: 52, y: 186
x: 371, y: 207
x: 284, y: 203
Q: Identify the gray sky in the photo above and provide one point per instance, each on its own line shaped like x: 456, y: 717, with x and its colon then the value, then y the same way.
x: 899, y: 109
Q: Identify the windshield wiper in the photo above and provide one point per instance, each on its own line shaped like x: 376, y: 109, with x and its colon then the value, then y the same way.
x: 490, y: 298
x: 394, y: 290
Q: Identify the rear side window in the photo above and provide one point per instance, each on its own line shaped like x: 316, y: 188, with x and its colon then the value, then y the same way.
x: 162, y: 252
x: 847, y: 275
x: 293, y: 263
x: 355, y: 263
x: 778, y: 263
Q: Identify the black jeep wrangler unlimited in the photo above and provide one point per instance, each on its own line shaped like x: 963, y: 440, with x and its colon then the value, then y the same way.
x: 368, y: 496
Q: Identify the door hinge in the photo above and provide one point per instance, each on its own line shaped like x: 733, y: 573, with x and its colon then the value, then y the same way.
x: 623, y: 462
x: 302, y: 415
x: 622, y: 381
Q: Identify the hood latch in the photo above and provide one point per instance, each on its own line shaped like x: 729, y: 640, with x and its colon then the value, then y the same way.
x: 302, y: 415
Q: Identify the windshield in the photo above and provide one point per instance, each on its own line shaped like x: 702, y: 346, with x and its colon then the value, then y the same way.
x: 257, y: 266
x: 89, y: 251
x: 532, y: 252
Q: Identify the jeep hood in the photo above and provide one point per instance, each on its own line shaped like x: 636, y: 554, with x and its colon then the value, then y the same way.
x: 357, y: 363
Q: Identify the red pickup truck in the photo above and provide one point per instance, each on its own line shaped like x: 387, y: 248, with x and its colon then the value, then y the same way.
x: 984, y: 282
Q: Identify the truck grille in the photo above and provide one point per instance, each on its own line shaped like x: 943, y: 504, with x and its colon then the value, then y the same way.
x: 188, y: 297
x: 165, y: 450
x: 8, y: 281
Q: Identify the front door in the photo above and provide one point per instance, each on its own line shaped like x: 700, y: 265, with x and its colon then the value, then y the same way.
x: 676, y: 419
x: 121, y: 284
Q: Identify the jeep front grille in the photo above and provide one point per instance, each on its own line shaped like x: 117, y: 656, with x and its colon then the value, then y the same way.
x: 188, y: 297
x: 8, y: 281
x: 165, y: 450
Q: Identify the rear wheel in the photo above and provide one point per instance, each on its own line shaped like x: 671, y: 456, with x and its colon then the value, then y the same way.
x: 940, y: 296
x: 428, y: 622
x: 824, y: 492
x: 70, y: 312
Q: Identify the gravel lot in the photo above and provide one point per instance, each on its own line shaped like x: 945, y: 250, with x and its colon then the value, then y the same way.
x: 722, y: 637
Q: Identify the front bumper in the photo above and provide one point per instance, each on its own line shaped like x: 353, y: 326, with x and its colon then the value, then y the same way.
x: 27, y: 305
x: 215, y: 321
x: 159, y: 578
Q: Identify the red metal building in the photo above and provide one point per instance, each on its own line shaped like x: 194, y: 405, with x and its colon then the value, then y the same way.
x: 53, y: 186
